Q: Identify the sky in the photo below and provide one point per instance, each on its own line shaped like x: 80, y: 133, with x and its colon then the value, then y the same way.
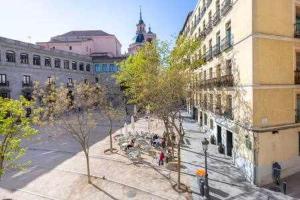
x: 38, y: 20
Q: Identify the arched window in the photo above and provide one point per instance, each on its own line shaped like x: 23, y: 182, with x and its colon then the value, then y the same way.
x: 36, y: 60
x: 10, y: 56
x: 24, y: 58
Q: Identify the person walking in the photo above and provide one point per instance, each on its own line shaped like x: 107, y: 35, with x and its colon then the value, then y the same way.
x: 161, y: 158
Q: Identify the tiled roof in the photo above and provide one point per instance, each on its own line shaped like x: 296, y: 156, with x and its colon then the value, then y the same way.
x: 86, y: 33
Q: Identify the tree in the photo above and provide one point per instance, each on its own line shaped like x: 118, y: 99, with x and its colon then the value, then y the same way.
x: 157, y: 79
x: 74, y: 110
x: 15, y: 126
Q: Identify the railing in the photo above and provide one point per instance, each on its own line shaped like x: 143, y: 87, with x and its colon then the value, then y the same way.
x: 202, y: 12
x: 217, y: 49
x: 216, y: 17
x: 227, y: 80
x: 209, y: 55
x: 297, y: 115
x: 297, y: 77
x: 226, y: 6
x: 297, y: 30
x: 226, y: 42
x: 27, y: 84
x: 208, y: 28
x: 4, y: 84
x: 202, y: 34
x: 228, y: 114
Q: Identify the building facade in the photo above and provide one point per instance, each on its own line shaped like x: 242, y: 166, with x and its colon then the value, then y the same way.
x: 141, y: 36
x: 85, y: 42
x: 21, y: 64
x: 247, y: 94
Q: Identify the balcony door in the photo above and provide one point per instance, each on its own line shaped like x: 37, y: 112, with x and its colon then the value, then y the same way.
x: 298, y: 109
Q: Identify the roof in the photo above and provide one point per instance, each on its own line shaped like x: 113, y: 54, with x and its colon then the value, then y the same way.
x: 86, y: 33
x: 186, y: 21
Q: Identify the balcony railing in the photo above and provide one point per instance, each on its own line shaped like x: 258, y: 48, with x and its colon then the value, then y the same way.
x: 202, y: 34
x: 297, y: 77
x: 228, y: 114
x: 4, y: 84
x: 297, y: 30
x: 217, y: 49
x: 208, y: 28
x: 209, y: 55
x: 216, y: 18
x: 226, y: 42
x: 226, y: 6
x: 297, y: 115
x: 202, y: 12
x: 227, y: 80
x: 27, y: 84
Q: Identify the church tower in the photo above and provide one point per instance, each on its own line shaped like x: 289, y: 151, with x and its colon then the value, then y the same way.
x: 141, y: 36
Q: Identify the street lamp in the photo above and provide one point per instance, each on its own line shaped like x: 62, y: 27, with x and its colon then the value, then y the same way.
x: 205, y: 144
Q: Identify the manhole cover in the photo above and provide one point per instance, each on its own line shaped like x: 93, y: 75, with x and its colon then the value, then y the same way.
x: 131, y: 194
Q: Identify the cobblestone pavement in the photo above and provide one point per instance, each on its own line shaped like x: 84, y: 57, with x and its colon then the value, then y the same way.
x: 225, y: 180
x: 57, y: 171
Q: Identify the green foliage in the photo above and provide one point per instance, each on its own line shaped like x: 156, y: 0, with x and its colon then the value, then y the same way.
x: 15, y: 126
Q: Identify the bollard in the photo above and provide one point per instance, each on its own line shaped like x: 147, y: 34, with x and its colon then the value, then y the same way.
x: 201, y: 185
x: 284, y: 187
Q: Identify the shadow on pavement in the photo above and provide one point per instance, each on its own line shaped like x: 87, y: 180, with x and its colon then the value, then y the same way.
x: 106, y: 193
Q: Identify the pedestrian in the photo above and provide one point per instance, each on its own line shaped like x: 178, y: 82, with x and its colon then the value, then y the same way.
x: 161, y: 158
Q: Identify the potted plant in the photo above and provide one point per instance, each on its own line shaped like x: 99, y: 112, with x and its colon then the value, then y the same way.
x: 221, y: 148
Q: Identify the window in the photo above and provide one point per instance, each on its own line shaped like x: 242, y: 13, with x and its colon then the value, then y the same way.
x: 3, y: 78
x: 57, y: 63
x: 228, y: 31
x: 111, y: 68
x: 96, y: 79
x: 211, y: 124
x: 104, y: 68
x: 70, y: 80
x: 205, y: 119
x: 218, y: 39
x: 66, y: 64
x: 210, y: 73
x: 48, y: 62
x: 70, y: 48
x: 218, y: 71
x: 298, y: 108
x: 24, y: 58
x: 88, y: 67
x: 26, y: 80
x: 298, y: 61
x: 36, y: 60
x: 81, y: 67
x: 229, y: 67
x: 218, y: 103
x: 74, y: 65
x: 10, y: 56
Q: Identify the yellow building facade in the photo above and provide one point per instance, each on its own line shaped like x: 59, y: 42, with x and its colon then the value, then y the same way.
x: 247, y: 94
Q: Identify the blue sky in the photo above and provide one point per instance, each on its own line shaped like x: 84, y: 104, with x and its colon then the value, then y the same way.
x: 42, y: 19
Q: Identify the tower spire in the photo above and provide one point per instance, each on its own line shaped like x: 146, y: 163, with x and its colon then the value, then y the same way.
x: 141, y: 18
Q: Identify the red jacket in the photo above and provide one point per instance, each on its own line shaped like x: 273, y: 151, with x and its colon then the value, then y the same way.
x: 161, y: 156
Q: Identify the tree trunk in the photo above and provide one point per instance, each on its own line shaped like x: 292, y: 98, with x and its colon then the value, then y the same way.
x: 1, y: 166
x: 179, y: 163
x: 110, y: 135
x: 88, y: 166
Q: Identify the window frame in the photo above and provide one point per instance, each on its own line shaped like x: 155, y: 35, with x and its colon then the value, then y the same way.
x: 36, y: 60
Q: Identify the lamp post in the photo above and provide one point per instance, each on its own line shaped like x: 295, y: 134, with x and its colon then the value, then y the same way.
x: 205, y: 143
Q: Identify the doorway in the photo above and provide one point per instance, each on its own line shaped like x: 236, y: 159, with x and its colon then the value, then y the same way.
x: 229, y: 143
x: 219, y: 135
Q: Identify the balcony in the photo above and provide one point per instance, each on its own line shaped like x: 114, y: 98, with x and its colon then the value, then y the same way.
x: 228, y: 114
x: 202, y: 34
x: 208, y: 28
x: 227, y: 80
x: 297, y: 30
x: 4, y: 84
x: 226, y: 6
x: 209, y: 55
x: 27, y: 84
x: 226, y: 43
x: 297, y: 115
x: 202, y: 12
x: 218, y: 110
x: 216, y: 18
x: 297, y: 77
x: 217, y: 49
